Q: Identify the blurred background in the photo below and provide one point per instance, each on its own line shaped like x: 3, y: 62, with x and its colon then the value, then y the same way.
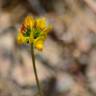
x: 66, y: 66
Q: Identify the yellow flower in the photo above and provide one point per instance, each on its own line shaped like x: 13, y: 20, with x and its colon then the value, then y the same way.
x: 41, y: 23
x: 39, y: 43
x: 29, y: 21
x: 33, y: 31
x: 20, y: 38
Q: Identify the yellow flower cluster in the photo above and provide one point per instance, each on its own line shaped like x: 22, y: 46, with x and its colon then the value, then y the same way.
x: 33, y: 31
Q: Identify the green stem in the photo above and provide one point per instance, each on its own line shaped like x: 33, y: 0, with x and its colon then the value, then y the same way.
x: 35, y: 71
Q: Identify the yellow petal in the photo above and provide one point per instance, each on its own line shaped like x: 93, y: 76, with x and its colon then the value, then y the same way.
x: 20, y: 38
x: 44, y: 32
x: 47, y: 29
x: 39, y: 44
x: 41, y: 23
x: 29, y: 21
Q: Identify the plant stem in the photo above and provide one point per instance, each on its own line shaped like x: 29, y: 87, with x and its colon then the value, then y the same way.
x: 35, y: 71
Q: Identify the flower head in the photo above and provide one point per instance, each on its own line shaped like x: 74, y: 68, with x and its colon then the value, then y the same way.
x: 29, y: 21
x: 41, y: 23
x: 33, y: 31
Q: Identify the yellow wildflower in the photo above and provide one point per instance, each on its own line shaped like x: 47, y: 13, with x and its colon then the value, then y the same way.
x: 20, y: 38
x: 29, y: 21
x: 41, y: 23
x: 33, y: 31
x: 39, y: 43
